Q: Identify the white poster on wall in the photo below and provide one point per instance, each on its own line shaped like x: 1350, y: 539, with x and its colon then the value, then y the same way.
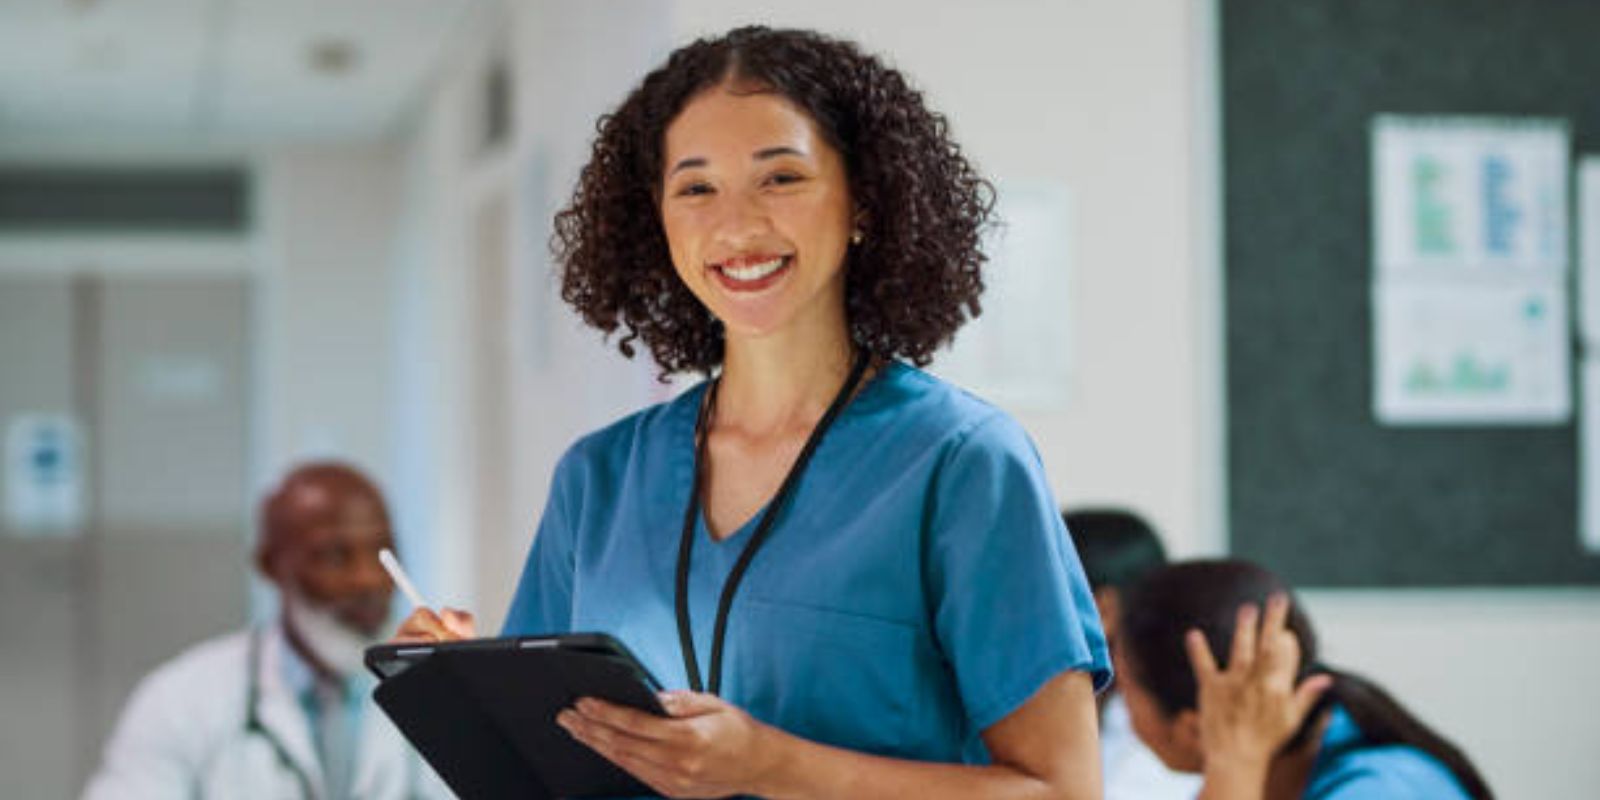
x: 1017, y: 354
x: 1462, y: 353
x: 44, y: 472
x: 1469, y: 194
x: 1469, y: 302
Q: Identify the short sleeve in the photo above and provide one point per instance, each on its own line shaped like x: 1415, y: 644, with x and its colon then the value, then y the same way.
x: 543, y: 600
x: 1010, y: 604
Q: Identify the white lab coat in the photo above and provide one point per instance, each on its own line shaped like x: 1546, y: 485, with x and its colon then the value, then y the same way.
x: 219, y: 722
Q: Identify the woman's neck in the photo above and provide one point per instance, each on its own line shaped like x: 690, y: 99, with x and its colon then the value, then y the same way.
x: 777, y: 384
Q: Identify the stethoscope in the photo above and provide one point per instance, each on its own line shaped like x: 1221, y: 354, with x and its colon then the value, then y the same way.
x: 763, y: 528
x: 252, y: 718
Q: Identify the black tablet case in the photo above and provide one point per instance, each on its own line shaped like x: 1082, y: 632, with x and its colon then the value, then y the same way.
x: 485, y: 720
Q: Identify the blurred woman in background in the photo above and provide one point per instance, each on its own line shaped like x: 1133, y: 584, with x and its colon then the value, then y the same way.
x: 1268, y: 720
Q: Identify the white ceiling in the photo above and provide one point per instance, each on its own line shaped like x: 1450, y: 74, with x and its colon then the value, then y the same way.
x: 216, y: 70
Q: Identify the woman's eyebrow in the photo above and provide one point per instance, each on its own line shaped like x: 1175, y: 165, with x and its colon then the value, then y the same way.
x: 774, y: 152
x: 688, y: 163
x: 760, y: 155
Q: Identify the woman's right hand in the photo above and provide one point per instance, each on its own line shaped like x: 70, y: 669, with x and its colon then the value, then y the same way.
x: 424, y: 625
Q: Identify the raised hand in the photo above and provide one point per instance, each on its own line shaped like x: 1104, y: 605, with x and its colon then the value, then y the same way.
x: 1249, y: 710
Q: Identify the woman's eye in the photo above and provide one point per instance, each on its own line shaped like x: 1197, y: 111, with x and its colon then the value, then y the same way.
x: 784, y: 178
x: 694, y: 190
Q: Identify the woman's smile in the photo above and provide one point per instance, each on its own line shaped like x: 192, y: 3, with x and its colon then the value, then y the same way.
x: 752, y: 273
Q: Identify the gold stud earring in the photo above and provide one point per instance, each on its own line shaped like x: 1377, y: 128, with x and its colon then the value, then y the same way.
x: 856, y: 236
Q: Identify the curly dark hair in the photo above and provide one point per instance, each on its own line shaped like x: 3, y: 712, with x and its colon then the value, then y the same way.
x: 909, y: 285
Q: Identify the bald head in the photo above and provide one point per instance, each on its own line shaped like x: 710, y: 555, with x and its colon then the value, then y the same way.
x: 321, y: 530
x: 311, y: 493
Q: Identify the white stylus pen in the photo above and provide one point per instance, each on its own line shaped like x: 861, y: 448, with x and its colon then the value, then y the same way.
x: 392, y: 566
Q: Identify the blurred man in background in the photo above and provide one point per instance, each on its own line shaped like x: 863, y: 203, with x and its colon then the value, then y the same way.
x: 1118, y: 548
x: 281, y: 710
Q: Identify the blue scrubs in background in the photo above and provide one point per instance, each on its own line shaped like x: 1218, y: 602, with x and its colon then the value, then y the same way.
x: 917, y: 588
x: 1350, y: 768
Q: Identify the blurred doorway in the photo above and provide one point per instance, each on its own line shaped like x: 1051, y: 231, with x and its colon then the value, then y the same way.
x: 143, y: 381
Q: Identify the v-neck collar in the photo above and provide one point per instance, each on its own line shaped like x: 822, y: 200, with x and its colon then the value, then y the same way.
x: 687, y: 413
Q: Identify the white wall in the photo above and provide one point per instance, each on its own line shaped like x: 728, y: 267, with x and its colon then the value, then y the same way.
x: 323, y: 225
x: 470, y: 513
x: 566, y: 378
x: 326, y: 219
x: 431, y: 337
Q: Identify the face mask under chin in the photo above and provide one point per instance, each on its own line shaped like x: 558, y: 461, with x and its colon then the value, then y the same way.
x: 335, y: 644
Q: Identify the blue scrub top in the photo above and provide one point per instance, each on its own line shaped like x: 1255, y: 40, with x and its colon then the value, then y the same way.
x: 1348, y: 768
x: 917, y: 588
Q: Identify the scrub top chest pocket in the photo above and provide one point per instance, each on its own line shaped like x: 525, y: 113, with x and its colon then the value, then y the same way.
x: 828, y: 675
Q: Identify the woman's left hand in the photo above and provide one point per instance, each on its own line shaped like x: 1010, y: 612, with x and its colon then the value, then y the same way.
x: 707, y: 747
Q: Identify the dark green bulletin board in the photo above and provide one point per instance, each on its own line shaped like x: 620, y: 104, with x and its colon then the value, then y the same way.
x: 1317, y: 489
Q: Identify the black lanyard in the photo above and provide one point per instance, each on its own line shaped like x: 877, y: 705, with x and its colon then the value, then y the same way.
x: 686, y: 544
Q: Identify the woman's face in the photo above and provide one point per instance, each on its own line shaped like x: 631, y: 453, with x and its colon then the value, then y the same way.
x: 1174, y: 739
x: 757, y: 211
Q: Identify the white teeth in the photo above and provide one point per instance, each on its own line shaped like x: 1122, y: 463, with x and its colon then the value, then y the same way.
x: 754, y: 272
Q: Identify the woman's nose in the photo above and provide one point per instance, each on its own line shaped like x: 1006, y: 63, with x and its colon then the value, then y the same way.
x: 743, y: 221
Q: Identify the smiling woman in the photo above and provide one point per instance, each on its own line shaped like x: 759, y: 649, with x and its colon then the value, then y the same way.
x: 757, y: 212
x: 916, y: 206
x: 871, y: 593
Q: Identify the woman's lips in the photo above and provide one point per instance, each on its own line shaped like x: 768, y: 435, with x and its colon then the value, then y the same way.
x: 752, y: 273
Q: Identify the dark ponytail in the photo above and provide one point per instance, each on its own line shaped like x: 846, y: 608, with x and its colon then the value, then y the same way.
x: 1206, y: 595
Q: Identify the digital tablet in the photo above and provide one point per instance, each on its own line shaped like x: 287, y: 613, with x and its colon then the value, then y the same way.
x: 482, y: 711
